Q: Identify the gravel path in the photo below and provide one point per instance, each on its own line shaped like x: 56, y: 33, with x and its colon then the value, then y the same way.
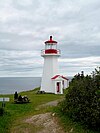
x: 47, y: 121
x: 52, y: 103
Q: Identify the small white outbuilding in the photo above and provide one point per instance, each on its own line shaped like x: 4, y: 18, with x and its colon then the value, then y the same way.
x: 59, y: 83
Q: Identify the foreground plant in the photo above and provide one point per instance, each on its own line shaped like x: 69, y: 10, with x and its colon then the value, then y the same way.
x: 82, y: 101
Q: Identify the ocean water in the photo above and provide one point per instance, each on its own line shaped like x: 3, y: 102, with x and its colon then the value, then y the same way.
x: 8, y: 85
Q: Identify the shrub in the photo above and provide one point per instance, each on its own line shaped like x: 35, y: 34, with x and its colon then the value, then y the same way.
x: 82, y: 102
x: 1, y: 111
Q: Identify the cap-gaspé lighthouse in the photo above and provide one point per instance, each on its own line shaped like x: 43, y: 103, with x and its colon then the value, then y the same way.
x: 52, y: 82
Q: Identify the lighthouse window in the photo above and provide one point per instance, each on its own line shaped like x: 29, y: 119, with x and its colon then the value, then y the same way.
x: 50, y: 46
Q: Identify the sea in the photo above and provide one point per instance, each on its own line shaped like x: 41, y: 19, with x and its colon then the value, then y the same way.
x: 8, y: 85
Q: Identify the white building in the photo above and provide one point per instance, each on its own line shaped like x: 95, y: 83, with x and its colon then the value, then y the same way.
x: 52, y: 82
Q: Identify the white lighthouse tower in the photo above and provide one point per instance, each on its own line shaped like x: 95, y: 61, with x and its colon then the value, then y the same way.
x: 52, y: 82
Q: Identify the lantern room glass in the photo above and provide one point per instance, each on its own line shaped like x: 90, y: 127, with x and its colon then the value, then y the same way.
x: 50, y: 46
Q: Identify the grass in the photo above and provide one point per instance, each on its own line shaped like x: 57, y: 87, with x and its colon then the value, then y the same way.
x: 13, y: 118
x: 15, y: 113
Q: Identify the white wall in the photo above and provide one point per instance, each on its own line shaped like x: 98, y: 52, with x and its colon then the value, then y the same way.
x: 50, y: 69
x: 66, y: 84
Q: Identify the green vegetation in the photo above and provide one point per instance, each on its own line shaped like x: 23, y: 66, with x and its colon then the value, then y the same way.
x: 1, y: 111
x: 69, y: 125
x: 15, y: 113
x: 81, y: 106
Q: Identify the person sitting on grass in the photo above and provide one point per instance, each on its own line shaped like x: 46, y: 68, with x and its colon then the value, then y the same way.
x: 20, y: 98
x: 16, y: 96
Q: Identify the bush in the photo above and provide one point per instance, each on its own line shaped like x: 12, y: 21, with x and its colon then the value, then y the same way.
x: 82, y: 102
x: 1, y: 111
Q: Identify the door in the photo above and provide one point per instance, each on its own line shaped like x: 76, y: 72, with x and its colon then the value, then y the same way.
x: 58, y: 87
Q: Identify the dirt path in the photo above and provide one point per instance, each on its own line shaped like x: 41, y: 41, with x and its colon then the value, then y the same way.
x: 41, y: 123
x: 52, y: 103
x: 47, y: 122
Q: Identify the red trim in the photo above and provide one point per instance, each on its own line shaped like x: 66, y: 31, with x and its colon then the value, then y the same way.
x: 56, y: 76
x: 64, y: 78
x: 50, y: 41
x: 50, y: 51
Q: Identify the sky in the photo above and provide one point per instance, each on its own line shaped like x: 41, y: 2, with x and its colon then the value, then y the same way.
x: 26, y: 24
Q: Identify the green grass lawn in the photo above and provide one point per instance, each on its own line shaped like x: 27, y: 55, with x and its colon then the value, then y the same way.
x: 16, y: 112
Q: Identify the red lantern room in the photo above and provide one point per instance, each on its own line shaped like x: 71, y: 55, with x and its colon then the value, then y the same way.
x: 50, y: 47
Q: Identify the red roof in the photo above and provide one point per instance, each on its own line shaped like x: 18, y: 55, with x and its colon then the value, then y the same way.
x: 51, y: 41
x: 64, y: 78
x: 56, y: 76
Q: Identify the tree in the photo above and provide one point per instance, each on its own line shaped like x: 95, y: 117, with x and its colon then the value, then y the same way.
x: 82, y: 102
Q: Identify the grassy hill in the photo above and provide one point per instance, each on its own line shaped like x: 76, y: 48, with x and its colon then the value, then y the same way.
x: 14, y: 113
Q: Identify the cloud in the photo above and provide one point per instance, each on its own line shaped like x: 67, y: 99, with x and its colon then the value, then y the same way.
x: 26, y: 24
x: 19, y: 62
x: 73, y: 66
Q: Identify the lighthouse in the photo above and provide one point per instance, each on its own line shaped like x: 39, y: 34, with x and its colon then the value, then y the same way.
x: 52, y: 82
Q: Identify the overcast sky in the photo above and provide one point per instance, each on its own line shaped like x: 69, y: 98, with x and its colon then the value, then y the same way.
x: 26, y: 24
